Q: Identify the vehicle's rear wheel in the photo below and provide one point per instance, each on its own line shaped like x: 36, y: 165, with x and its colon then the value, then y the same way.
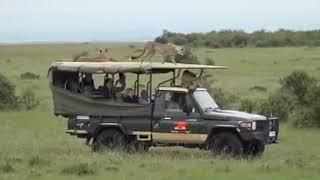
x: 109, y: 139
x: 253, y: 149
x: 226, y: 143
x: 142, y: 147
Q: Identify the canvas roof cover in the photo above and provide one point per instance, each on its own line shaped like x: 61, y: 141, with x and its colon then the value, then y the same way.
x: 123, y: 67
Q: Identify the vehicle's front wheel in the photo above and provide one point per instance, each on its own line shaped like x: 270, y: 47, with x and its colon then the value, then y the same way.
x: 253, y: 149
x: 226, y: 143
x: 109, y: 139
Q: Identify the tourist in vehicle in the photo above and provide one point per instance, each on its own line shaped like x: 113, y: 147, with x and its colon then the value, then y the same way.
x: 129, y: 96
x: 108, y: 90
x: 88, y: 84
x: 120, y: 84
x: 144, y: 99
x: 72, y: 85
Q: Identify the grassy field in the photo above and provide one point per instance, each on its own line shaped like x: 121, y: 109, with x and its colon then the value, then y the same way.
x: 33, y: 144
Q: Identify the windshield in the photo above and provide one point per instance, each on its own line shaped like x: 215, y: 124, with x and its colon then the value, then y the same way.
x: 205, y: 100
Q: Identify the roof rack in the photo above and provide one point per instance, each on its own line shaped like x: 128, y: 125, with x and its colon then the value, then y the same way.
x: 127, y: 67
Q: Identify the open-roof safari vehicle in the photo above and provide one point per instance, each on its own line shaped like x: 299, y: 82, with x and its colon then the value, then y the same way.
x: 171, y: 116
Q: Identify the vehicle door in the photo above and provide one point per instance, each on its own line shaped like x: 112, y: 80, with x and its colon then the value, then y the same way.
x: 177, y: 119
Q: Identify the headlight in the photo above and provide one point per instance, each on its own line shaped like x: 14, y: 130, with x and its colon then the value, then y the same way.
x: 270, y: 125
x: 248, y: 125
x: 254, y: 125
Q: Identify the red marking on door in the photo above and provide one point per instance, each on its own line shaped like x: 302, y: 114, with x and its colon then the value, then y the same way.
x: 181, y: 126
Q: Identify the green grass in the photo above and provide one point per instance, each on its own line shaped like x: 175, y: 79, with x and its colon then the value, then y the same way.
x: 34, y: 146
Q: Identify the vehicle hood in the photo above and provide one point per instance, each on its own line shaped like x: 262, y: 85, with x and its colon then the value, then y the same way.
x: 233, y: 115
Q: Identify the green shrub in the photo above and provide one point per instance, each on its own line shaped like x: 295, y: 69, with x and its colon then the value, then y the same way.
x: 6, y: 168
x: 7, y: 93
x: 304, y: 117
x: 29, y: 75
x: 309, y: 116
x: 82, y: 169
x: 209, y: 61
x: 316, y: 98
x: 28, y: 99
x: 300, y: 85
x: 279, y: 104
x: 161, y: 40
x: 37, y: 161
x: 239, y: 38
x: 223, y: 99
x: 132, y: 46
x: 247, y: 105
x: 296, y: 162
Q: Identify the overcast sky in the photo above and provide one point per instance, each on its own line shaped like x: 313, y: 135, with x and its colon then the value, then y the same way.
x: 138, y: 20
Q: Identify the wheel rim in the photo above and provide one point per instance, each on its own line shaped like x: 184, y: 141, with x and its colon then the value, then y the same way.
x: 223, y: 147
x: 110, y: 142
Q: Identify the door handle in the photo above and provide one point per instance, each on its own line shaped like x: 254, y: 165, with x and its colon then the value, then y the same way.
x: 167, y: 118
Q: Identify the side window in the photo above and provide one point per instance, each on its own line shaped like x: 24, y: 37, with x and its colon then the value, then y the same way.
x: 190, y: 104
x: 174, y: 101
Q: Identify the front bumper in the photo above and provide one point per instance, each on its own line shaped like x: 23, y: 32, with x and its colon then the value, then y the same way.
x: 255, y: 136
x: 266, y: 132
x: 265, y: 138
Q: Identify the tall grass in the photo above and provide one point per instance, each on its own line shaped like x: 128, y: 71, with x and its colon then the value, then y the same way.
x: 34, y: 146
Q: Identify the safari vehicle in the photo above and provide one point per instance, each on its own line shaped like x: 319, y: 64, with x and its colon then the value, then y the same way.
x: 175, y: 116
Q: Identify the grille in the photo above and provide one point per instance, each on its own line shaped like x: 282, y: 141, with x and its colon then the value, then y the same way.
x: 263, y: 126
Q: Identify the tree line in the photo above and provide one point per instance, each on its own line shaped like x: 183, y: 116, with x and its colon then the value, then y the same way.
x: 239, y: 38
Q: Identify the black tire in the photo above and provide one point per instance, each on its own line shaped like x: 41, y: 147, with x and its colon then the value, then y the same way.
x: 142, y: 147
x: 253, y: 149
x: 137, y: 146
x: 226, y: 143
x: 109, y: 139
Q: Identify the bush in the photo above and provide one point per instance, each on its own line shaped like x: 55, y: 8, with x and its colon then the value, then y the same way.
x: 6, y: 168
x: 279, y: 104
x: 300, y: 85
x: 37, y: 161
x: 221, y: 97
x: 247, y: 105
x: 132, y: 46
x: 310, y: 115
x: 28, y: 99
x: 304, y: 117
x: 239, y: 38
x: 209, y: 61
x: 7, y: 93
x: 77, y: 56
x: 316, y: 102
x: 29, y: 75
x: 161, y: 40
x: 82, y: 169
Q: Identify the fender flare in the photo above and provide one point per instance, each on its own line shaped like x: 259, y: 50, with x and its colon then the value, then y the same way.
x: 217, y: 129
x: 109, y: 125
